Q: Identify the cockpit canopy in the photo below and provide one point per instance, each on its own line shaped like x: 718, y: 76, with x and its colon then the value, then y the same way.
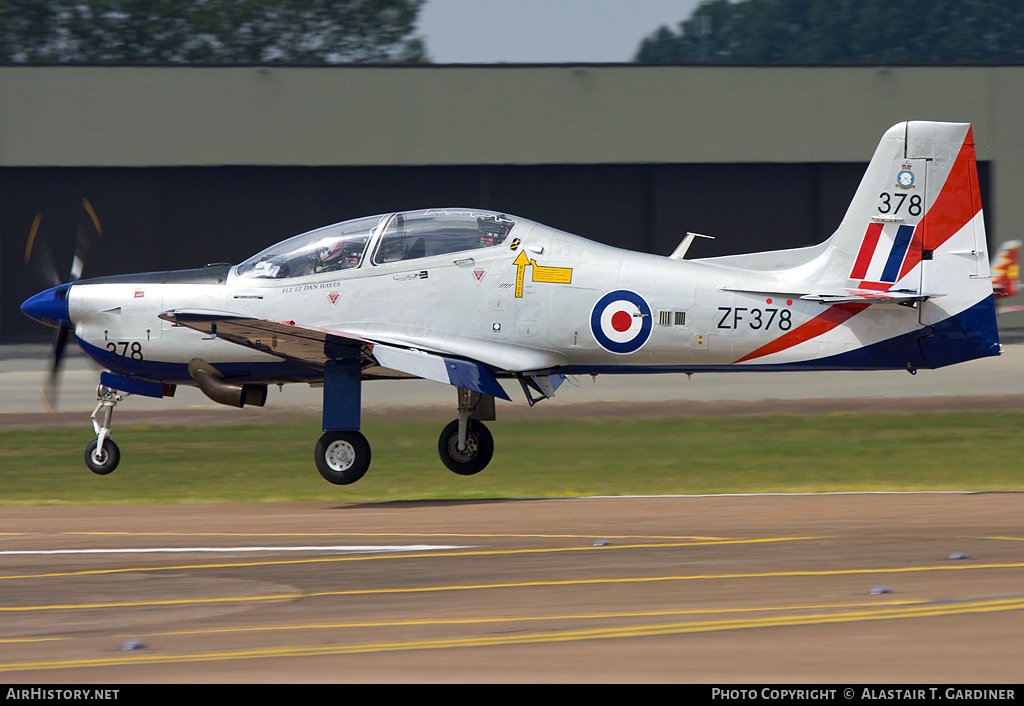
x: 393, y: 237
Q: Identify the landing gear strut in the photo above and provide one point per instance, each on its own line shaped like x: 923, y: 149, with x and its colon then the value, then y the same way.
x: 102, y: 455
x: 342, y: 454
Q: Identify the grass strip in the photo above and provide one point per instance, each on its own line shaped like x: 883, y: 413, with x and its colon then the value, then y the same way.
x: 542, y: 458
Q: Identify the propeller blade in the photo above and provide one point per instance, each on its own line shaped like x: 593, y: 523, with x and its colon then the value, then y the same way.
x: 84, y: 240
x: 32, y: 236
x: 41, y: 260
x: 81, y: 251
x: 38, y: 257
x: 51, y: 386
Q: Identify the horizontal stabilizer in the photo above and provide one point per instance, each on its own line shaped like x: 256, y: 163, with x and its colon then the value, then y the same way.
x: 869, y: 296
x: 843, y: 296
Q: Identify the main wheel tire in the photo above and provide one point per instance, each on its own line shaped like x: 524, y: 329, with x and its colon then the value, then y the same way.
x: 342, y: 457
x: 477, y: 454
x: 106, y: 461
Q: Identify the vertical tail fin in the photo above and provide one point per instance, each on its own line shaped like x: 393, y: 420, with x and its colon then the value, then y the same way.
x: 915, y: 226
x: 918, y: 200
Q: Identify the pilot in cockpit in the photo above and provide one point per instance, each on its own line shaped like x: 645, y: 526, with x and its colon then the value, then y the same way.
x: 341, y: 255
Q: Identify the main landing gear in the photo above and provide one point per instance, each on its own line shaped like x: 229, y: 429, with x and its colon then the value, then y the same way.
x: 342, y: 457
x: 466, y: 446
x: 102, y: 455
x: 475, y: 453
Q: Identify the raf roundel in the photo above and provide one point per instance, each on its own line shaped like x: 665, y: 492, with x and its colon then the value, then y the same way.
x: 621, y: 321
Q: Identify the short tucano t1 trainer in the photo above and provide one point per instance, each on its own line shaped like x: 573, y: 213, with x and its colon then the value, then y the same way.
x: 468, y: 297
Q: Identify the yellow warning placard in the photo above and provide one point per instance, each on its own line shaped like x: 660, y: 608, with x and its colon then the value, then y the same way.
x: 556, y: 275
x: 541, y: 273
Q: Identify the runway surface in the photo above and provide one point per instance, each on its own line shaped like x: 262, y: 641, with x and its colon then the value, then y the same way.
x: 695, y: 589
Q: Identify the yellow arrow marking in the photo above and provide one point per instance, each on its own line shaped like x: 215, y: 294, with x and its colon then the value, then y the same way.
x: 520, y: 262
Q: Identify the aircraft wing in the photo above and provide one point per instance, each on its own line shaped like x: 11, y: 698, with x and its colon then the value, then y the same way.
x: 315, y: 346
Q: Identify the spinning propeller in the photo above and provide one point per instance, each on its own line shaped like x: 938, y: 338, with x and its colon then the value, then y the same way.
x: 51, y: 307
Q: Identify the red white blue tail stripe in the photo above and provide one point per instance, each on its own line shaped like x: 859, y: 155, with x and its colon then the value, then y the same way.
x: 881, y: 254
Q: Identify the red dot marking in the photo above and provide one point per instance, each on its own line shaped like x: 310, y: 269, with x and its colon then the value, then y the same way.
x: 789, y: 302
x: 621, y: 321
x: 768, y: 300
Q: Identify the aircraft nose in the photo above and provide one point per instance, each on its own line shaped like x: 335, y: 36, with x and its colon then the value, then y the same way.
x: 49, y: 307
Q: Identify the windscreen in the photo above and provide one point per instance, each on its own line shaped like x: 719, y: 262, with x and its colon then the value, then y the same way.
x: 337, y: 247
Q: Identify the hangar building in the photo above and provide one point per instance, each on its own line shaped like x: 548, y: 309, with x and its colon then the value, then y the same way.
x: 189, y: 165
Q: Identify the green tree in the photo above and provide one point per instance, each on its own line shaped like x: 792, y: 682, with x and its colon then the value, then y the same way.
x: 210, y: 31
x: 843, y: 32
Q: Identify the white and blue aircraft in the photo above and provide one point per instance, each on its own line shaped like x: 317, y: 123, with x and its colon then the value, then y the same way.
x: 468, y: 297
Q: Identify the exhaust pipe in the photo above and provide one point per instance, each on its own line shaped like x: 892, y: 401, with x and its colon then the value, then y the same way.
x: 210, y: 381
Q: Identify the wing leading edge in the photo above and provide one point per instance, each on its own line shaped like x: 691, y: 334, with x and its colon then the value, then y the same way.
x: 315, y: 346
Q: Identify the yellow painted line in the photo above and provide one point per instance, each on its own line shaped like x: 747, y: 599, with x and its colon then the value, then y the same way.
x: 534, y: 618
x: 1008, y: 539
x: 15, y: 640
x: 485, y: 586
x: 416, y: 555
x: 886, y: 613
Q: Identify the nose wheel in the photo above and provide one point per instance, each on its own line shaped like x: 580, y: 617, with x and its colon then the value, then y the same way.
x: 102, y: 461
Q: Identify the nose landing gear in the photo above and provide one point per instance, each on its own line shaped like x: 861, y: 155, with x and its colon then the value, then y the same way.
x: 102, y: 455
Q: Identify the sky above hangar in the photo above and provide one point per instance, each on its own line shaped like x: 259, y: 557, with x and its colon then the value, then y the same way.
x: 543, y: 31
